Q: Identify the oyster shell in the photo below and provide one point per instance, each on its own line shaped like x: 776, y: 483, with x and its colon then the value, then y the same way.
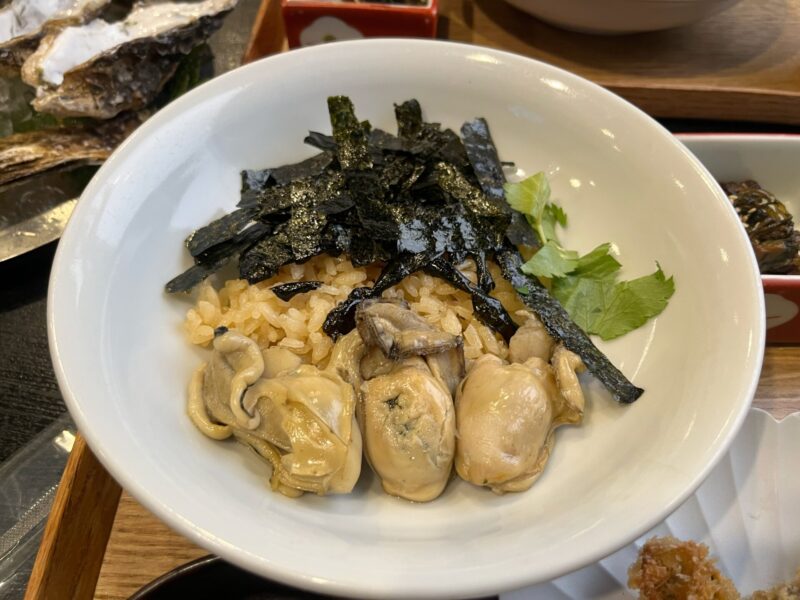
x: 100, y: 69
x: 25, y: 154
x: 23, y: 23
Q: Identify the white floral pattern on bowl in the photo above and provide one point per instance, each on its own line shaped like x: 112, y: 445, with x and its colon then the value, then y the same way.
x: 328, y: 29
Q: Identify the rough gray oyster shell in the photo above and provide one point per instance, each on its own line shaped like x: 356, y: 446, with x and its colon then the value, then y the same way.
x: 23, y: 23
x: 101, y: 69
x: 26, y: 154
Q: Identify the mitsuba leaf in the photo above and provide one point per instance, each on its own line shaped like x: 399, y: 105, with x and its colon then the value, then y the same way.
x: 610, y: 309
x: 550, y: 261
x: 529, y: 196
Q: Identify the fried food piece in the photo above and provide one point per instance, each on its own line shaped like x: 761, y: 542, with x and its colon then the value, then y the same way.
x: 785, y: 591
x: 669, y: 569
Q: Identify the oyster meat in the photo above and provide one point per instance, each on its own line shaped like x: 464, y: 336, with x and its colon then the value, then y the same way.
x: 23, y: 23
x: 506, y: 415
x: 405, y: 405
x: 299, y: 418
x: 101, y: 69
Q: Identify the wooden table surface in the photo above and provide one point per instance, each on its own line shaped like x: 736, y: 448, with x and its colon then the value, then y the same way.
x: 741, y: 64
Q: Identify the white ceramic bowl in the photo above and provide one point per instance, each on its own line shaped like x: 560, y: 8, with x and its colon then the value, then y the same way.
x: 123, y: 363
x: 621, y: 16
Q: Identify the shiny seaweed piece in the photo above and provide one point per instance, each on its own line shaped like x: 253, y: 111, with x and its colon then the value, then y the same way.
x: 342, y: 319
x: 215, y: 257
x: 377, y: 141
x: 409, y: 119
x: 220, y: 231
x: 287, y: 291
x: 351, y: 139
x: 256, y: 181
x: 488, y: 168
x: 561, y: 327
x: 489, y: 310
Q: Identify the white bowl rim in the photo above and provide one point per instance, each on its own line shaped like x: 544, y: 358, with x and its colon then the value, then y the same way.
x: 487, y: 586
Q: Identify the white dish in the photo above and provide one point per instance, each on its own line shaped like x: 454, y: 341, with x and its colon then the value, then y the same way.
x: 746, y: 512
x: 621, y: 16
x: 123, y: 364
x: 772, y: 161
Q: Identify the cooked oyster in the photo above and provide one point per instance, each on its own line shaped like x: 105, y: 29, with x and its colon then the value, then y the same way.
x: 530, y: 340
x: 398, y: 332
x: 302, y: 420
x: 23, y: 22
x: 409, y: 430
x: 506, y: 416
x: 390, y: 327
x: 25, y: 154
x: 405, y: 407
x: 100, y: 69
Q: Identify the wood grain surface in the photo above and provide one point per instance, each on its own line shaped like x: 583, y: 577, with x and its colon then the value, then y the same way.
x: 779, y: 387
x: 741, y: 64
x: 140, y: 549
x: 74, y: 540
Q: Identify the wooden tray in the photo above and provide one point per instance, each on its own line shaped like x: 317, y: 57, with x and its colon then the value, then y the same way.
x: 743, y: 64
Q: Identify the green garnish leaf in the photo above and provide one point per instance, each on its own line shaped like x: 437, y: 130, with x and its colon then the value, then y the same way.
x: 529, y: 196
x: 586, y: 285
x: 558, y: 214
x: 551, y: 216
x: 551, y: 260
x: 610, y: 309
x: 598, y: 264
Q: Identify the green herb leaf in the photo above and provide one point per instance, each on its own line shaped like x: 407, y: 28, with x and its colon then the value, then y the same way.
x: 551, y: 216
x: 608, y: 309
x: 551, y: 260
x: 586, y: 285
x: 529, y: 196
x: 598, y: 264
x: 558, y: 214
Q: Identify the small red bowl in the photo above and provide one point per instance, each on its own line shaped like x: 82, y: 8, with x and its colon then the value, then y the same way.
x: 309, y: 23
x: 782, y: 302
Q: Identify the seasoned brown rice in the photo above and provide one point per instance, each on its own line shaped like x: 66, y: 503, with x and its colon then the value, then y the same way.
x: 297, y: 324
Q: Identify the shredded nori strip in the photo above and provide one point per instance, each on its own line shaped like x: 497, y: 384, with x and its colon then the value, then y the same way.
x: 421, y: 200
x: 351, y: 139
x: 342, y: 318
x: 220, y: 231
x: 287, y: 291
x: 561, y: 327
x: 217, y: 256
x: 489, y: 170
